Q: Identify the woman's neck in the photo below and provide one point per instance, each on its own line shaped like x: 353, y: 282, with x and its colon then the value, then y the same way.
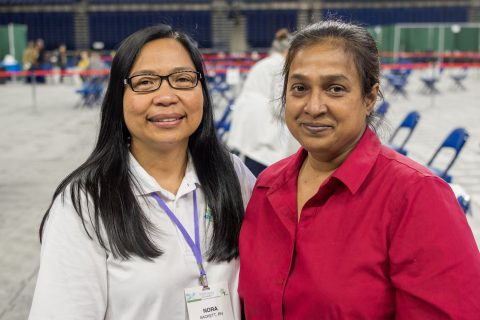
x: 167, y: 166
x: 311, y: 176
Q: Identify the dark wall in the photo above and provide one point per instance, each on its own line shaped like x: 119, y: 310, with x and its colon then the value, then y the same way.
x: 52, y: 27
x: 112, y: 27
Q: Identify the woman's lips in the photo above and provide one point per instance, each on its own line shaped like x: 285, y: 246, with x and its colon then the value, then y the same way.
x: 166, y: 121
x: 316, y: 128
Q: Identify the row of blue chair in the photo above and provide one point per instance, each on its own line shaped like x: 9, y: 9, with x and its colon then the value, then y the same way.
x: 92, y: 91
x: 430, y: 83
x: 223, y: 99
x: 455, y: 141
x: 397, y: 81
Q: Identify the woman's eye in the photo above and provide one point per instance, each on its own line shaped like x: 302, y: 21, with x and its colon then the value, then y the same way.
x: 183, y: 79
x: 336, y: 89
x: 145, y: 81
x: 298, y: 88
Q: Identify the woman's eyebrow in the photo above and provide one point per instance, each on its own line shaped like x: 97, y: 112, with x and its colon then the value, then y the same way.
x: 178, y: 69
x: 323, y: 78
x: 298, y: 76
x: 334, y: 78
x: 148, y: 71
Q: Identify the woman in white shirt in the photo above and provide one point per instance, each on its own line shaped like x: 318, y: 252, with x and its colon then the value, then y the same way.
x: 154, y: 213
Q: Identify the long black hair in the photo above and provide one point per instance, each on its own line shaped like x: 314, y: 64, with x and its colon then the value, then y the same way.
x: 105, y: 180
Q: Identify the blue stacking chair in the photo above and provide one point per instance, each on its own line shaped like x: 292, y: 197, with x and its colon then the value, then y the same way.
x: 464, y: 203
x: 455, y: 140
x: 459, y: 78
x: 463, y: 198
x: 409, y: 123
x: 430, y: 83
x: 382, y: 109
x: 398, y: 84
x: 222, y: 126
x: 92, y: 91
x: 397, y: 81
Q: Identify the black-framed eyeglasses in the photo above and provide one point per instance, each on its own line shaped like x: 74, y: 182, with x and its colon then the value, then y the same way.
x: 182, y: 80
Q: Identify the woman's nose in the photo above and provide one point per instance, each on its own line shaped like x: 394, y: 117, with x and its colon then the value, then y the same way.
x: 316, y: 104
x: 165, y: 95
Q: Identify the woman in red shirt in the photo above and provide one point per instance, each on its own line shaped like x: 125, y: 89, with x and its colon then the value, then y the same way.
x: 347, y: 228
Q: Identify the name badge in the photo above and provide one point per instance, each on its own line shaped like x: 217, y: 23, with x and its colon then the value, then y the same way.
x: 211, y: 303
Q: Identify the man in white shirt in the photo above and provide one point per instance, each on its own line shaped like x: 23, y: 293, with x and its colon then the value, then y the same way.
x: 257, y: 131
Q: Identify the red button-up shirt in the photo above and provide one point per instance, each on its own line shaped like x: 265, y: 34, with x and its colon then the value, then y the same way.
x: 383, y: 238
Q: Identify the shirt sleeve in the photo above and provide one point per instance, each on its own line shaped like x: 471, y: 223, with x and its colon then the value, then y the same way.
x: 245, y: 177
x: 72, y: 279
x: 434, y: 260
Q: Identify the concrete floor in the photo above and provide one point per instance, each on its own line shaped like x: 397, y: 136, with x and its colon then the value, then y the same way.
x: 41, y: 143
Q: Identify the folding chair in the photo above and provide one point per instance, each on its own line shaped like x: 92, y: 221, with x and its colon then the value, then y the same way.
x: 459, y: 78
x: 398, y: 85
x: 222, y: 126
x: 91, y: 92
x: 396, y: 82
x: 430, y: 83
x: 455, y: 140
x: 409, y: 123
x: 382, y: 109
x: 462, y: 197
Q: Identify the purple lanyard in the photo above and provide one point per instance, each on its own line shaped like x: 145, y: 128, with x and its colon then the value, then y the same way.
x: 195, y: 246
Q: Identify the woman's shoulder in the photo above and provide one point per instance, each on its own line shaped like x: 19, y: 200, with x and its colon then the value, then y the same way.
x: 72, y: 215
x: 273, y: 172
x: 245, y: 177
x: 70, y: 207
x: 407, y: 175
x: 401, y: 166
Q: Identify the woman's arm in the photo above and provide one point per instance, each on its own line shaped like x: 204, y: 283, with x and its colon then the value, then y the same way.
x: 72, y: 279
x: 435, y: 262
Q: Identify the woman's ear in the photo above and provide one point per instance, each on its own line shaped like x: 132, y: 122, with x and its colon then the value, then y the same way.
x: 371, y: 98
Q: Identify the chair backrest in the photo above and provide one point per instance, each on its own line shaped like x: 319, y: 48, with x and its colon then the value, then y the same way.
x: 455, y: 140
x: 222, y: 126
x: 409, y: 122
x: 382, y: 109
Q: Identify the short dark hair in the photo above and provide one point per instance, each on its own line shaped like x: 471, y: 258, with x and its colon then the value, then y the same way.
x: 356, y: 41
x: 106, y: 181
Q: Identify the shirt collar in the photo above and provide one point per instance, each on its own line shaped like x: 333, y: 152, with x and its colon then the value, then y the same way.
x: 146, y: 184
x: 352, y: 172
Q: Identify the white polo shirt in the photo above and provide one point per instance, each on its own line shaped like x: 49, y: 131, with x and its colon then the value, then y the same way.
x: 78, y: 279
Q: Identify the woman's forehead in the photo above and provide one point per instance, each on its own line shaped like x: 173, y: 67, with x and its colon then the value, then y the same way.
x: 322, y: 57
x: 164, y: 52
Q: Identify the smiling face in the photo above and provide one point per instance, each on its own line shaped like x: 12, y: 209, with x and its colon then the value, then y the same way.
x: 324, y: 106
x: 166, y: 117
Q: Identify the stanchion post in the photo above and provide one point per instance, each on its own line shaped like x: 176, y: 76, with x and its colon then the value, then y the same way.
x: 34, y: 91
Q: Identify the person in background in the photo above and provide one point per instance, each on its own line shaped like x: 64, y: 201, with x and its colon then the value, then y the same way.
x: 61, y: 59
x: 29, y: 56
x: 41, y: 59
x: 153, y: 215
x: 347, y: 228
x: 41, y: 54
x: 83, y: 62
x: 96, y: 63
x: 257, y: 132
x: 97, y: 68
